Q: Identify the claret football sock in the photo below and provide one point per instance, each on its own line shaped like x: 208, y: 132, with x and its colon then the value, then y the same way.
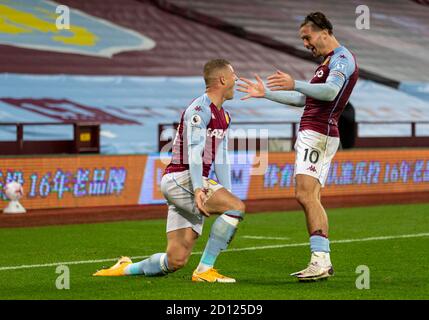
x: 155, y: 265
x: 221, y: 234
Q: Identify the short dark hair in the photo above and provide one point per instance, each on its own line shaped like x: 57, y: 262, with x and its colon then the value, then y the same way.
x: 318, y: 21
x: 212, y: 66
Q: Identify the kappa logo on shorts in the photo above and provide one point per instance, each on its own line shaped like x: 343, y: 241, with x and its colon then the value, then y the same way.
x: 312, y: 169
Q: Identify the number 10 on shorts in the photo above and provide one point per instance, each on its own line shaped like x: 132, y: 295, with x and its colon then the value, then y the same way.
x: 312, y: 155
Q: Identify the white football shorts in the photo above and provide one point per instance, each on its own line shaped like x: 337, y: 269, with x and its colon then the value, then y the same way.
x: 182, y: 210
x: 313, y: 154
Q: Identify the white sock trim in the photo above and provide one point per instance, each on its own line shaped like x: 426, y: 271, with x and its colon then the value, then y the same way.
x: 161, y: 263
x: 203, y: 267
x: 322, y: 257
x: 231, y: 220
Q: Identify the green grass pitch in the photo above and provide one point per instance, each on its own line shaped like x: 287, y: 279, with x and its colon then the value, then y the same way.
x: 398, y: 265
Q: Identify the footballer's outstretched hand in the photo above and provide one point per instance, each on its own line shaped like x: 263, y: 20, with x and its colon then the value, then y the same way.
x: 253, y: 90
x: 280, y: 81
x: 200, y: 200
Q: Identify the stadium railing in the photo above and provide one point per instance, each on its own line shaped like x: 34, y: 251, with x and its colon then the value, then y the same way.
x: 86, y: 139
x: 362, y: 137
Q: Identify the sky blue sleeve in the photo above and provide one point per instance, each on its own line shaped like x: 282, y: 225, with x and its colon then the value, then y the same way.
x: 340, y: 69
x: 293, y: 98
x: 321, y: 91
x: 196, y: 120
x: 222, y: 165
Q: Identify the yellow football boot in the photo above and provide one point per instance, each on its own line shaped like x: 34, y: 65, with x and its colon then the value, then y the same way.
x: 116, y: 270
x: 211, y: 275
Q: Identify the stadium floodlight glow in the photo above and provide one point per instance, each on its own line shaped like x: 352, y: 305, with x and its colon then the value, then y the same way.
x: 14, y: 191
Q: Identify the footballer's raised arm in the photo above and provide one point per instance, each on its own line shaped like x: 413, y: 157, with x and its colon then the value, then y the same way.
x: 196, y: 120
x: 259, y: 90
x: 281, y: 81
x: 292, y: 98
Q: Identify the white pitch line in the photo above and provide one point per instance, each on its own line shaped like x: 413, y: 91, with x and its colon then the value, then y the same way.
x: 403, y: 236
x: 265, y: 238
x: 54, y: 264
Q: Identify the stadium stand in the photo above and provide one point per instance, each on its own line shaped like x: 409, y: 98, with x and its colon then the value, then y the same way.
x: 118, y: 84
x: 422, y: 2
x: 395, y: 25
x: 87, y: 114
x: 135, y: 65
x: 181, y: 47
x: 129, y: 108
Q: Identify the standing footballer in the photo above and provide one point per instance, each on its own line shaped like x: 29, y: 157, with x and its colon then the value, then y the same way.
x: 324, y: 99
x: 201, y: 140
